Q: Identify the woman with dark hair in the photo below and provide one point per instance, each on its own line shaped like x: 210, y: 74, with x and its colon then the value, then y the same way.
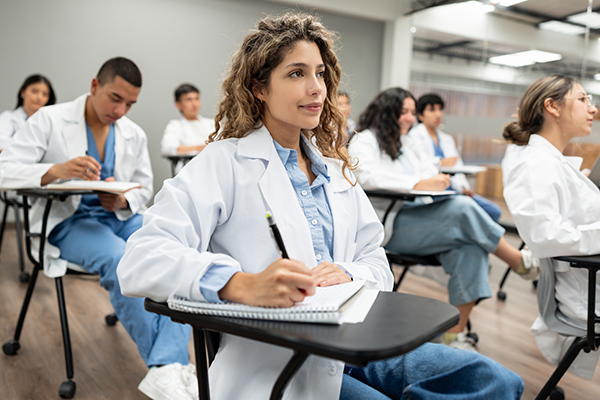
x: 554, y: 205
x: 35, y: 93
x: 454, y: 229
x: 280, y: 144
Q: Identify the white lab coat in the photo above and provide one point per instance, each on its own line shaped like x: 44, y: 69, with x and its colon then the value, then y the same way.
x: 181, y: 132
x: 56, y: 134
x: 446, y: 142
x: 10, y: 122
x: 557, y: 211
x: 213, y: 212
x: 377, y: 170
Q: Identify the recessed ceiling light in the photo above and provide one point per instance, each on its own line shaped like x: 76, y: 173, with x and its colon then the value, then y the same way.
x: 524, y: 58
x: 562, y: 27
x: 507, y: 3
x: 593, y: 20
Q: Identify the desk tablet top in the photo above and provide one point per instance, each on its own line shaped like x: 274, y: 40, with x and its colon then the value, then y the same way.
x: 396, y: 324
x: 581, y: 261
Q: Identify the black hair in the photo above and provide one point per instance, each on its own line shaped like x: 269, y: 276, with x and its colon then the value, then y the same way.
x: 428, y: 99
x: 381, y: 117
x: 122, y: 67
x: 340, y: 93
x: 30, y: 81
x: 185, y: 89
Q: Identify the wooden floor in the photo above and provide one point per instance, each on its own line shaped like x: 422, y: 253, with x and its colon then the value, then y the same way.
x: 107, y: 365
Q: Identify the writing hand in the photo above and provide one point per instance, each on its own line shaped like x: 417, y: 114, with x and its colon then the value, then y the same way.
x: 112, y: 202
x: 283, y: 283
x: 85, y: 168
x: 437, y: 182
x: 449, y: 162
x: 327, y: 274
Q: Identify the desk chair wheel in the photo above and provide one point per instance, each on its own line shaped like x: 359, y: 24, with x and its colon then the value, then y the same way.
x: 10, y: 348
x: 557, y: 394
x: 24, y: 277
x: 534, y: 283
x: 67, y: 390
x: 501, y: 295
x: 111, y: 319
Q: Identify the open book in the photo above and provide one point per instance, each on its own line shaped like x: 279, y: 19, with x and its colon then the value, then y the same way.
x: 326, y: 306
x: 98, y: 186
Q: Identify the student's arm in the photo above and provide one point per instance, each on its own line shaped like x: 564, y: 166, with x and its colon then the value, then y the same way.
x: 189, y: 149
x: 171, y: 139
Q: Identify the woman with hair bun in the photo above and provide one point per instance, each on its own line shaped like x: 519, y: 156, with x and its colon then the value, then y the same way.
x: 554, y: 205
x: 280, y: 144
x: 34, y: 93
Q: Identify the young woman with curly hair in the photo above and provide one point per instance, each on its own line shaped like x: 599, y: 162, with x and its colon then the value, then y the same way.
x: 280, y: 144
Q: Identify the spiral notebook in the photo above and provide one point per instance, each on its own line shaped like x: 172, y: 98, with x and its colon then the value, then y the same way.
x: 326, y: 306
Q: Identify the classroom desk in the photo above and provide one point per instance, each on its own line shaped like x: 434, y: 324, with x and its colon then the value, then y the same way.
x: 175, y: 159
x: 463, y: 169
x: 395, y: 325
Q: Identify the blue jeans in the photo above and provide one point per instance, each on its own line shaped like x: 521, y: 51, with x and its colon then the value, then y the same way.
x: 491, y: 208
x: 97, y: 244
x: 432, y: 372
x: 459, y: 233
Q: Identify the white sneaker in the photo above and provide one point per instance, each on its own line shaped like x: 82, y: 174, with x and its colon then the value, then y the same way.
x: 463, y: 342
x: 188, y: 374
x: 165, y: 383
x: 531, y: 265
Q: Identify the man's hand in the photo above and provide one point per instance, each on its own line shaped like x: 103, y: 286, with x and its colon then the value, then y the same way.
x: 327, y: 274
x: 85, y: 168
x: 112, y: 202
x: 282, y: 284
x: 437, y: 182
x: 449, y: 162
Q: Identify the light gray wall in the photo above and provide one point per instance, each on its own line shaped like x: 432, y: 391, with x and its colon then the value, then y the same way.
x: 172, y: 41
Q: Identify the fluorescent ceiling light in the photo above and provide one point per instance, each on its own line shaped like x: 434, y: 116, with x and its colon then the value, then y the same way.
x: 508, y: 3
x: 582, y: 18
x: 524, y: 58
x: 475, y: 7
x: 562, y: 27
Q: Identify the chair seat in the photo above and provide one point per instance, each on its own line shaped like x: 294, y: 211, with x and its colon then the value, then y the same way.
x: 409, y: 259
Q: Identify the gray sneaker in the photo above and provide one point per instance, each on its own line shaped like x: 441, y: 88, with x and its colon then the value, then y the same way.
x: 463, y: 342
x: 165, y: 383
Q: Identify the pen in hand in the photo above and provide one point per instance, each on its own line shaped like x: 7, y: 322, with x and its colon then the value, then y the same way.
x: 276, y: 235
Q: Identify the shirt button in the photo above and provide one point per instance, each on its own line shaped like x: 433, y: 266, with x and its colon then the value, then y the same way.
x: 318, y: 257
x: 332, y: 370
x: 304, y: 193
x: 314, y: 222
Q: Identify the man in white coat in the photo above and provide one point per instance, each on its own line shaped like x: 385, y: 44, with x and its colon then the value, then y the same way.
x: 91, y: 139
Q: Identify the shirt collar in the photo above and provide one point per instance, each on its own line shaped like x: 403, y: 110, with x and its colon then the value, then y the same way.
x: 289, y: 155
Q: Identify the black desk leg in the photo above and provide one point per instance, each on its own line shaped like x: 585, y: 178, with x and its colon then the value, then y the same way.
x: 201, y: 363
x: 288, y: 372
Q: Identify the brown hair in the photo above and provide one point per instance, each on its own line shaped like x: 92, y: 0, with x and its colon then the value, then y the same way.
x: 262, y: 50
x: 531, y: 108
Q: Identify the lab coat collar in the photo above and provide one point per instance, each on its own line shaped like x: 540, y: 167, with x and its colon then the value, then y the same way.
x: 541, y: 142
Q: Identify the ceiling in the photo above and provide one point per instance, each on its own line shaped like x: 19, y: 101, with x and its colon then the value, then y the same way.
x: 532, y: 12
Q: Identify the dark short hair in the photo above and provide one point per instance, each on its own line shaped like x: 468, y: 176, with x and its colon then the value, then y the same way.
x: 185, y: 89
x: 30, y: 81
x: 122, y: 67
x: 428, y: 99
x: 345, y: 94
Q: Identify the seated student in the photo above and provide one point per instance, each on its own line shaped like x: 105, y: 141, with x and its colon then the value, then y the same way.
x: 346, y: 109
x: 440, y: 147
x: 90, y: 138
x: 455, y: 229
x: 35, y: 92
x: 554, y: 205
x: 206, y: 236
x: 190, y: 133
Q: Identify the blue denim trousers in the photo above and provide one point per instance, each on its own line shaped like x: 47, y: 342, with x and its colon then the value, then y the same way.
x: 459, y: 233
x: 97, y: 244
x: 492, y: 209
x: 432, y: 372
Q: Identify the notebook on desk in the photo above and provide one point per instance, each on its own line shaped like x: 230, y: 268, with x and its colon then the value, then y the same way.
x: 327, y: 306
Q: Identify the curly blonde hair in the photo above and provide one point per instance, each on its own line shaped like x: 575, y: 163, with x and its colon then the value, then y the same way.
x: 262, y: 50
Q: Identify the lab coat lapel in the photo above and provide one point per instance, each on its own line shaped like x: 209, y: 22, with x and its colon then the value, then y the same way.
x: 124, y: 157
x: 74, y: 133
x: 278, y: 192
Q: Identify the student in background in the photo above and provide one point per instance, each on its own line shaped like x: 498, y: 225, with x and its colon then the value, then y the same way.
x: 346, y: 108
x: 441, y: 148
x: 455, y: 229
x: 90, y: 138
x: 35, y: 92
x: 280, y: 145
x: 554, y: 205
x: 190, y: 133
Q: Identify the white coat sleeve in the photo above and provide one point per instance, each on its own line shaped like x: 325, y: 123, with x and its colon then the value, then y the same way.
x: 19, y: 162
x: 169, y: 254
x: 373, y: 171
x: 171, y: 139
x: 368, y: 261
x: 534, y: 195
x: 142, y: 174
x: 6, y: 129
